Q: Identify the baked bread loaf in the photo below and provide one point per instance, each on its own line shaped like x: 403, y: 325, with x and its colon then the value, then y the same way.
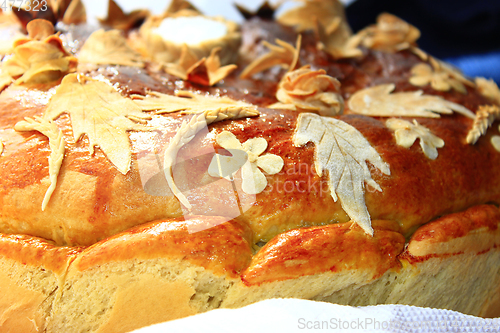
x: 148, y: 176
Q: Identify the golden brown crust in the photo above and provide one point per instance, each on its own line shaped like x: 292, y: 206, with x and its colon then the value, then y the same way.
x: 474, y: 230
x: 37, y: 252
x: 31, y: 270
x: 409, y: 196
x: 215, y: 243
x: 465, y: 281
x: 315, y: 250
x: 142, y: 243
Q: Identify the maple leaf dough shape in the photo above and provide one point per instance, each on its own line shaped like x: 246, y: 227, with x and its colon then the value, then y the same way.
x: 109, y: 47
x: 98, y: 110
x: 342, y: 151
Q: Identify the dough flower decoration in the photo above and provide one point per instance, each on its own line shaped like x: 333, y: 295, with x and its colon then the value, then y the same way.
x: 381, y: 101
x: 488, y: 88
x: 205, y: 110
x: 310, y: 90
x: 109, y: 47
x: 205, y: 71
x: 485, y: 116
x: 253, y: 179
x: 337, y: 39
x: 407, y: 133
x: 118, y: 19
x: 389, y: 34
x: 40, y: 57
x: 283, y: 54
x: 440, y: 76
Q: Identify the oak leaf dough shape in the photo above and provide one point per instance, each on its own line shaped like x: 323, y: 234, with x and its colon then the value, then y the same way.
x: 423, y: 74
x: 379, y: 101
x: 407, y: 133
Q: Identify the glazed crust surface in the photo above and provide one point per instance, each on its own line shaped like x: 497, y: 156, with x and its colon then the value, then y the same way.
x: 215, y: 243
x: 127, y: 232
x: 94, y: 201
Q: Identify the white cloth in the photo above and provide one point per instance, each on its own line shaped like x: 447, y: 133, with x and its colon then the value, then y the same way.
x: 294, y: 315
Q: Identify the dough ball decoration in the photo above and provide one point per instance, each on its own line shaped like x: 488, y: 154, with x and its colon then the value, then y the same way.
x: 166, y: 165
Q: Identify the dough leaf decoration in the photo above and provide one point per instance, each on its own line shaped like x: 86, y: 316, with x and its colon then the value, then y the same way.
x: 118, y: 19
x: 101, y: 112
x: 337, y: 39
x: 186, y: 132
x: 188, y: 102
x: 495, y: 142
x: 407, y: 133
x: 440, y: 76
x: 379, y: 101
x: 342, y: 151
x: 75, y: 13
x: 304, y: 17
x: 423, y: 74
x: 283, y: 54
x: 56, y: 143
x: 204, y: 71
x: 109, y: 47
x: 485, y: 117
x: 205, y: 110
x: 488, y: 88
